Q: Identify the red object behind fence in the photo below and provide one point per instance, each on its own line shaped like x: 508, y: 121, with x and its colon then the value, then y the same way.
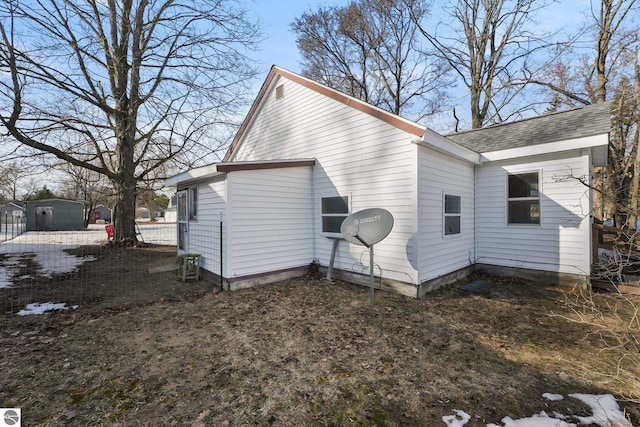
x: 109, y: 229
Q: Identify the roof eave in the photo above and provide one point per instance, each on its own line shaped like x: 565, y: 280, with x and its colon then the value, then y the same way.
x: 594, y: 141
x: 192, y: 175
x: 437, y: 142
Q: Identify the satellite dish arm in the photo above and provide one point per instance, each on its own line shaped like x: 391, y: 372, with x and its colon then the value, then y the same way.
x: 360, y: 240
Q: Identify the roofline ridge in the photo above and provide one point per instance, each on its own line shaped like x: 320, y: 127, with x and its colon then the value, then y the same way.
x: 530, y: 118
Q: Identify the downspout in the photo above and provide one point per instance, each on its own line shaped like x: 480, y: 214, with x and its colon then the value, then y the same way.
x: 221, y: 254
x: 313, y: 213
x: 475, y: 215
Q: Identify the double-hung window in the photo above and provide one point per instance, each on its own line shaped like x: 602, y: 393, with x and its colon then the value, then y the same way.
x: 452, y: 214
x: 523, y: 198
x: 334, y: 211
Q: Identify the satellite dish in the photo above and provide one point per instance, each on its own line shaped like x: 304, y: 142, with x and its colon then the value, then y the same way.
x: 367, y: 227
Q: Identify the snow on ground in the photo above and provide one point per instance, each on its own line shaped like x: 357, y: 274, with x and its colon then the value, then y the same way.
x: 48, y: 250
x: 37, y: 308
x: 605, y: 409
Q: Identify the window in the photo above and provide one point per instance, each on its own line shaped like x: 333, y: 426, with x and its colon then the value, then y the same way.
x: 334, y: 211
x: 280, y: 91
x: 452, y: 210
x: 193, y: 203
x: 523, y: 198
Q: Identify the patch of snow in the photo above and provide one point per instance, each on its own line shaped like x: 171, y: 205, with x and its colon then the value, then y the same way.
x: 540, y: 420
x: 9, y: 268
x: 606, y: 412
x: 38, y: 308
x: 552, y: 397
x: 49, y: 249
x: 458, y: 420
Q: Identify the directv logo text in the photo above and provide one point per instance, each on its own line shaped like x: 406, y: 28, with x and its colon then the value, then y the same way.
x: 365, y: 220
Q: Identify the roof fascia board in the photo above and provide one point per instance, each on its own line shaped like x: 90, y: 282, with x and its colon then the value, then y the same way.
x: 54, y: 199
x: 437, y: 142
x: 551, y: 147
x: 393, y: 119
x: 276, y: 164
x: 192, y: 175
x: 250, y: 115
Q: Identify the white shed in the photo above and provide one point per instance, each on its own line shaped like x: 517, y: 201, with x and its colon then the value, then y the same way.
x: 307, y: 156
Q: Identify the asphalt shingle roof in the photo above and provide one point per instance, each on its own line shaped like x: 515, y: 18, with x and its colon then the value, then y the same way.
x: 576, y: 123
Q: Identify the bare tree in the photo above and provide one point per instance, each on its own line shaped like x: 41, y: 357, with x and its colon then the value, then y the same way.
x: 83, y: 184
x: 369, y: 49
x: 486, y: 43
x: 12, y: 175
x: 121, y: 87
x: 594, y: 58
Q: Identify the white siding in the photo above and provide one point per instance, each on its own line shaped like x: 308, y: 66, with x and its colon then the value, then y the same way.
x: 270, y: 224
x: 561, y: 242
x: 438, y: 175
x: 204, y: 232
x: 357, y: 155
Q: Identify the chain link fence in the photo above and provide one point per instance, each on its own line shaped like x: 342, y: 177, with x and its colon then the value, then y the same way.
x: 71, y: 271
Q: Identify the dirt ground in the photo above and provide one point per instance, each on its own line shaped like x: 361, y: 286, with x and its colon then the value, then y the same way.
x: 117, y: 277
x: 306, y: 352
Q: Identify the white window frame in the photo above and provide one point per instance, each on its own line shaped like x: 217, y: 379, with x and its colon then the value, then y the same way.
x: 537, y: 198
x: 446, y: 215
x: 342, y: 215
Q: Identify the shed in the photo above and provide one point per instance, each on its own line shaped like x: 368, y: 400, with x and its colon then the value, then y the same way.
x: 306, y: 156
x: 12, y: 212
x: 101, y: 213
x: 54, y: 214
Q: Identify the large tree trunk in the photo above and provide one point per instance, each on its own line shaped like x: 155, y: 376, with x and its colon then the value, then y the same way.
x: 125, y: 183
x: 124, y: 212
x: 634, y: 193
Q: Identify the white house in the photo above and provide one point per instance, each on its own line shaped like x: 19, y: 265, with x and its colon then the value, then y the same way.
x: 510, y: 198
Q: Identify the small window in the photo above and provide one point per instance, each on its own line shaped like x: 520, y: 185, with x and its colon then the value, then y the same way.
x: 452, y: 213
x: 523, y: 198
x: 280, y: 91
x: 193, y: 203
x: 334, y: 211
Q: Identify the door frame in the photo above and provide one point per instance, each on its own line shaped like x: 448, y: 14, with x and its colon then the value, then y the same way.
x: 182, y: 220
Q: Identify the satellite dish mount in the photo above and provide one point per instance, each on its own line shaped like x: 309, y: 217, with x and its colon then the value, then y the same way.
x: 366, y: 228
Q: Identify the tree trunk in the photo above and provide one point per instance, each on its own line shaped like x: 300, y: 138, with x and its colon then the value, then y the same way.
x: 634, y: 195
x: 124, y: 212
x: 125, y: 184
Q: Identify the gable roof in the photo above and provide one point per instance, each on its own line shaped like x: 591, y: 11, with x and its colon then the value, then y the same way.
x: 581, y: 122
x: 393, y: 119
x: 16, y: 203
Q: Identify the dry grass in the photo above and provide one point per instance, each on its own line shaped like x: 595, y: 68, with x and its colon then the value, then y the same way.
x: 306, y: 352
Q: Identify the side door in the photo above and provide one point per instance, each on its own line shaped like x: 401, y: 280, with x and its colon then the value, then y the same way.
x: 182, y: 208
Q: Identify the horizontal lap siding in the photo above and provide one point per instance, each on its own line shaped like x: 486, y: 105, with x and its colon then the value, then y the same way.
x: 356, y: 155
x: 561, y: 242
x: 270, y: 220
x: 204, y: 233
x: 438, y: 175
